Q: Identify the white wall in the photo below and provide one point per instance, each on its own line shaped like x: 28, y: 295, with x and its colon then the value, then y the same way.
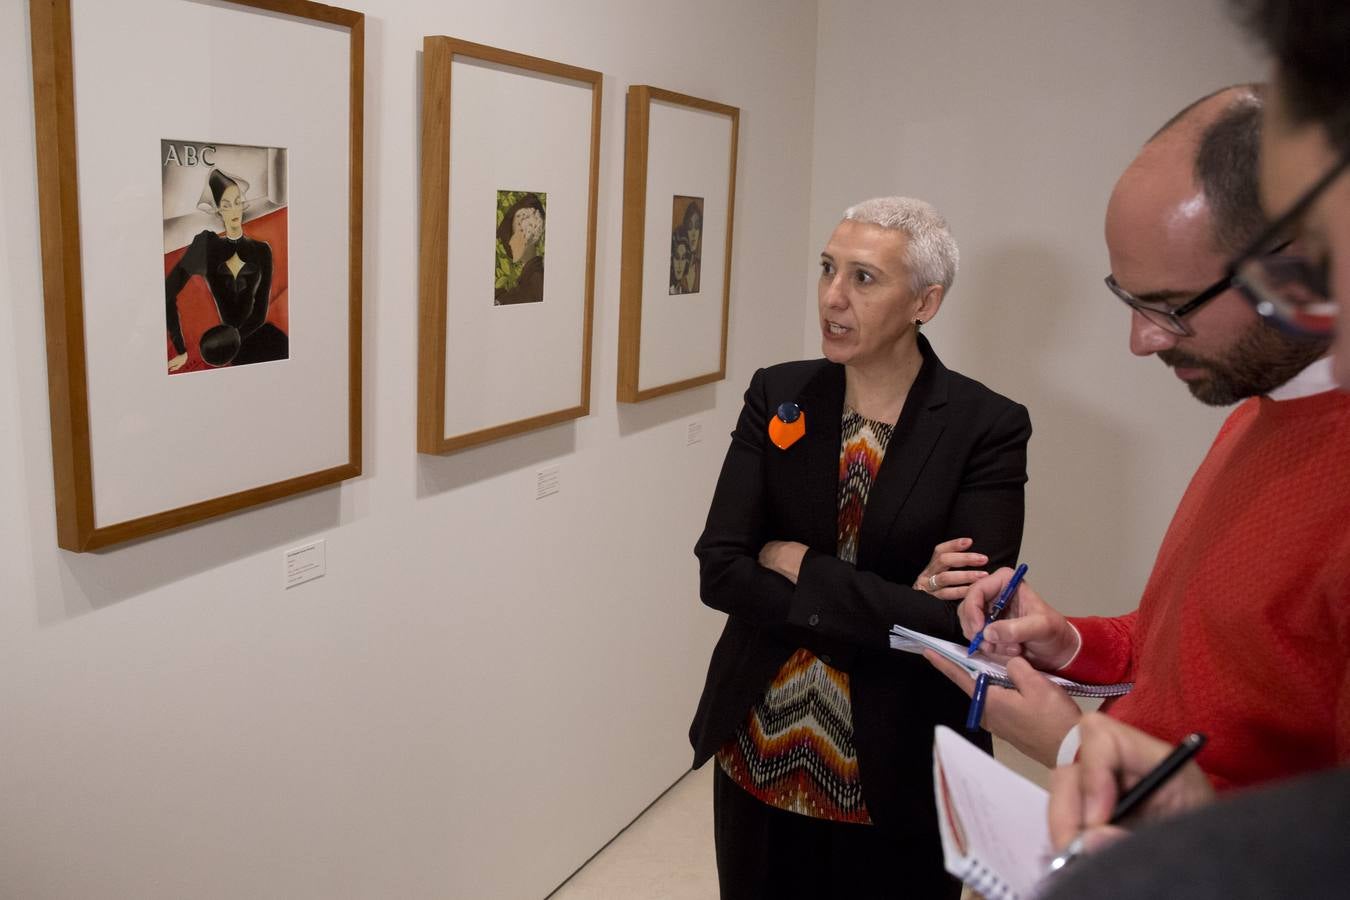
x: 1015, y: 119
x: 485, y: 687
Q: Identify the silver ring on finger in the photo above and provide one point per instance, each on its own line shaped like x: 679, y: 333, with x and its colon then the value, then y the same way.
x: 932, y: 583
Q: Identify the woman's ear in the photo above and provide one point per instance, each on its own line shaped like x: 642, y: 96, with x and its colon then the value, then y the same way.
x: 929, y: 303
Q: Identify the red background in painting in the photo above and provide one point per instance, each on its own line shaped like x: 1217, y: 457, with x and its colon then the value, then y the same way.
x: 196, y: 309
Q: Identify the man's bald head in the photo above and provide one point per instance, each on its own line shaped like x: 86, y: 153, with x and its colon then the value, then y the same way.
x: 1203, y: 163
x: 1182, y: 209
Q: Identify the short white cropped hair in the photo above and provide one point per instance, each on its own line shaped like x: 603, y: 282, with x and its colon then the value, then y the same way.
x: 932, y: 253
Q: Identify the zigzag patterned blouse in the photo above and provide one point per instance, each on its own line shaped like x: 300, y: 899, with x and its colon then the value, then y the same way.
x: 795, y: 750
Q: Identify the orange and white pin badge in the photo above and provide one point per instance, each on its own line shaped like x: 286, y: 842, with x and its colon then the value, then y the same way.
x: 787, y: 425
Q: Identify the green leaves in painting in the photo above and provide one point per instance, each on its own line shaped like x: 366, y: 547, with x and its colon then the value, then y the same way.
x: 508, y: 271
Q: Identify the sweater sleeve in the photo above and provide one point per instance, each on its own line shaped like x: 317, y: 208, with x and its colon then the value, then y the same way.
x: 1107, y: 653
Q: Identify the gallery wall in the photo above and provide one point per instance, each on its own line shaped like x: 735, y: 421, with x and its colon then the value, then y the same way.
x: 1015, y: 120
x: 485, y: 687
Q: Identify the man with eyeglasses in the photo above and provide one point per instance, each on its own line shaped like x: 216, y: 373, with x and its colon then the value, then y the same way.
x: 1291, y: 839
x: 1177, y: 215
x: 1229, y: 636
x: 1305, y: 168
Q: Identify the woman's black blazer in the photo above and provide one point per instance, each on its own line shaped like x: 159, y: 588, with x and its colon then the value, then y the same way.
x: 955, y: 467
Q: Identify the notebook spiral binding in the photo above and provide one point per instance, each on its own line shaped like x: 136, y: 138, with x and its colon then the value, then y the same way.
x: 989, y: 885
x: 915, y: 642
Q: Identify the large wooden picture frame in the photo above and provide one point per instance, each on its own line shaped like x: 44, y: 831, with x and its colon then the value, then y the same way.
x: 143, y: 108
x: 510, y: 169
x: 679, y: 205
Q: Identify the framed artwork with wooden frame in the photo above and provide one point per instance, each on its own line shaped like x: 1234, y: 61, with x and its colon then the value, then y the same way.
x: 199, y: 184
x: 510, y: 166
x: 679, y: 203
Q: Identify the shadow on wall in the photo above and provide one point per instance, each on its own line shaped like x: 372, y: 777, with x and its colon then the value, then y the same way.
x: 658, y: 411
x: 439, y: 474
x: 1033, y: 337
x: 80, y: 583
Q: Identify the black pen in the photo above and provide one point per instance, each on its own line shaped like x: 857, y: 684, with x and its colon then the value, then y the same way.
x: 1189, y: 746
x: 1145, y: 788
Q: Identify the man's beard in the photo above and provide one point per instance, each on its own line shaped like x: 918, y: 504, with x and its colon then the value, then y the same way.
x: 1261, y: 360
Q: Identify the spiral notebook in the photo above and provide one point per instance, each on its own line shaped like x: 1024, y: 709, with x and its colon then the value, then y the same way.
x: 992, y: 821
x: 916, y: 642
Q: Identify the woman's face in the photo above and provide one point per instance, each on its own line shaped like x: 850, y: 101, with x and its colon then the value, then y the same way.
x: 867, y: 305
x: 695, y: 232
x: 231, y: 209
x: 680, y: 260
x: 1293, y: 158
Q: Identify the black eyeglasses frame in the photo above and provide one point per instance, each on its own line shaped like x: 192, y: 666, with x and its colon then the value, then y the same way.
x: 1171, y: 318
x: 1282, y: 225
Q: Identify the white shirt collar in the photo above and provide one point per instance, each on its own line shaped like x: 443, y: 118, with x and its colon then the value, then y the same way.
x: 1315, y: 379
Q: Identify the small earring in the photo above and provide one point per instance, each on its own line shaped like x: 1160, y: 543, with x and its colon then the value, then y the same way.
x: 918, y: 322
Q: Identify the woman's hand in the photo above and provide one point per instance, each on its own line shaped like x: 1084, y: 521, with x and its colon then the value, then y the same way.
x: 177, y: 362
x: 783, y: 557
x: 939, y: 578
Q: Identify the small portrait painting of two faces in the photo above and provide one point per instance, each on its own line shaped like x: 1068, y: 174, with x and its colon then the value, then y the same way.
x: 686, y: 244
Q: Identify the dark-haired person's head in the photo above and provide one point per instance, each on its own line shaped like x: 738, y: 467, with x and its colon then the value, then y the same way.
x: 228, y: 196
x: 1309, y: 42
x: 680, y: 256
x: 218, y: 182
x: 1305, y: 167
x: 692, y: 227
x: 1181, y: 210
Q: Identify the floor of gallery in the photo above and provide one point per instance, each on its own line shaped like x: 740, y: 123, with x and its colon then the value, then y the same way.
x: 667, y: 853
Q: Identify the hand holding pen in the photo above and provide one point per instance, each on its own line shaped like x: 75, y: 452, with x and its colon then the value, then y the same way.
x: 1027, y: 627
x: 1086, y: 801
x: 976, y: 712
x: 999, y: 606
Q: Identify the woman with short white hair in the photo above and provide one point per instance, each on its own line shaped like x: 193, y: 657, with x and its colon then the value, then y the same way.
x: 842, y: 476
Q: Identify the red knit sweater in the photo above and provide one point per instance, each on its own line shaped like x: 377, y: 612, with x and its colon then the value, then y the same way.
x: 1243, y: 631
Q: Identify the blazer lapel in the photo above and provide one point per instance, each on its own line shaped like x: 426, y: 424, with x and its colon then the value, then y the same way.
x: 816, y: 469
x: 921, y: 423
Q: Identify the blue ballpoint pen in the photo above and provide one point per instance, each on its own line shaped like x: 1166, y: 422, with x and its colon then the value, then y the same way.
x: 976, y: 712
x: 999, y: 604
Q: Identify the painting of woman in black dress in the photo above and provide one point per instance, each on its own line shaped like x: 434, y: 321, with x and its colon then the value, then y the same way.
x: 225, y: 291
x: 520, y: 247
x: 686, y: 244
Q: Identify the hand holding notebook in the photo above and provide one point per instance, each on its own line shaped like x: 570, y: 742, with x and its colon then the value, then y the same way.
x: 916, y: 642
x: 993, y: 822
